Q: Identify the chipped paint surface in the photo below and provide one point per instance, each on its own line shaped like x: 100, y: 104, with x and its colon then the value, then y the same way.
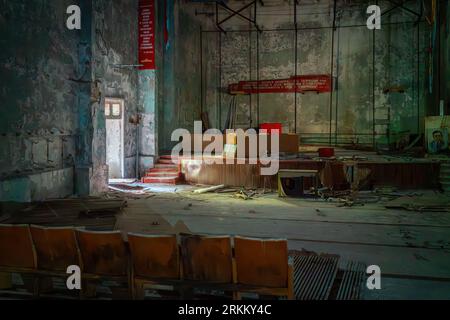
x: 52, y: 132
x: 39, y: 114
x: 356, y: 103
x: 115, y: 43
x: 147, y: 129
x: 53, y: 81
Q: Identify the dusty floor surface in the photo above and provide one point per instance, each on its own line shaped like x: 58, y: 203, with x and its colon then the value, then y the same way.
x: 411, y: 248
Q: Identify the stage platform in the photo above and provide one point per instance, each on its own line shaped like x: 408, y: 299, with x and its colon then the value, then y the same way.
x: 370, y: 169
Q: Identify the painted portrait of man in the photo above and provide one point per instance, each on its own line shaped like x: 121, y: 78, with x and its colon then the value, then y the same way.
x: 438, y: 141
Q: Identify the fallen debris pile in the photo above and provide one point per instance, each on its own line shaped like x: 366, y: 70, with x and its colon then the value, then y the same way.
x: 244, y: 195
x: 209, y: 189
x: 129, y: 188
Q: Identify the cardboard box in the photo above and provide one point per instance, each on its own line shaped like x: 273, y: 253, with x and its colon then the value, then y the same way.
x: 289, y: 143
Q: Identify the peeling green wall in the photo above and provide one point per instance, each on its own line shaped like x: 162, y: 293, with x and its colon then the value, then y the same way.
x: 39, y: 109
x: 401, y: 59
x: 52, y: 130
x: 179, y: 72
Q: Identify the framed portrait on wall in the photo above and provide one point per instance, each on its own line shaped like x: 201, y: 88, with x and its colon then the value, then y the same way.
x: 437, y: 140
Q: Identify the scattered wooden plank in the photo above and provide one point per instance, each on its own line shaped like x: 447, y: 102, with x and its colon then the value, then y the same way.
x: 209, y: 189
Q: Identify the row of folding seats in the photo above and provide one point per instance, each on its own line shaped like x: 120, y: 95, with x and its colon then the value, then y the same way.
x: 230, y: 264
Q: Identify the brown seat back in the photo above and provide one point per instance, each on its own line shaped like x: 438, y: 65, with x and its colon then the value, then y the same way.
x: 261, y: 262
x: 207, y: 259
x: 103, y: 253
x: 56, y: 248
x: 16, y: 247
x: 154, y: 257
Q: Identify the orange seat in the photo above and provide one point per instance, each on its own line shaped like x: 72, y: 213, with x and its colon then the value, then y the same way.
x: 17, y: 254
x: 56, y: 248
x: 262, y: 266
x: 207, y: 259
x: 154, y: 259
x: 16, y: 248
x: 102, y: 254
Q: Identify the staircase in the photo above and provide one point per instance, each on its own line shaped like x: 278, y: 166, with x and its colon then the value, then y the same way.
x: 164, y: 172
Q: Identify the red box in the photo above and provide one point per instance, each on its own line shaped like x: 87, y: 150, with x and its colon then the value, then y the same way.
x: 326, y: 152
x: 270, y: 127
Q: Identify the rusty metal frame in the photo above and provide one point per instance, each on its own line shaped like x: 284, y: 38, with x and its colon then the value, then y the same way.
x: 401, y: 6
x: 233, y: 13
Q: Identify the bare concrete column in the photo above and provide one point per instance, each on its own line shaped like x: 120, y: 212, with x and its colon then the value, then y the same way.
x: 148, y: 150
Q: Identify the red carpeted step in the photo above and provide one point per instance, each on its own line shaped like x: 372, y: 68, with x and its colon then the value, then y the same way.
x: 165, y: 166
x: 172, y: 170
x: 168, y: 157
x: 166, y: 161
x: 164, y: 174
x: 162, y: 180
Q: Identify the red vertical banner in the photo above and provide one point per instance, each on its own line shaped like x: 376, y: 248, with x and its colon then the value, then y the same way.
x: 147, y: 35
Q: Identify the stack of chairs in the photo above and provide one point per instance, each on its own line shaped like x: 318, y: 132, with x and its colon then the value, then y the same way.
x: 182, y: 264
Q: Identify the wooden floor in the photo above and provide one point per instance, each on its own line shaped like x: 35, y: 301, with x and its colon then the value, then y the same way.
x: 411, y: 248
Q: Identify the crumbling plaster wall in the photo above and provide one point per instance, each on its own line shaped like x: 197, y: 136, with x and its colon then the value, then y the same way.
x: 114, y: 54
x: 178, y: 68
x: 39, y: 116
x: 357, y: 103
x: 52, y: 126
x: 151, y: 95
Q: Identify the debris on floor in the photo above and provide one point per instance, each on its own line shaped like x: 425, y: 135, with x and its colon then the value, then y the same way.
x: 430, y: 203
x: 153, y: 224
x: 327, y: 193
x: 92, y: 213
x: 244, y: 195
x: 129, y: 188
x: 349, y: 203
x: 228, y: 190
x: 209, y: 189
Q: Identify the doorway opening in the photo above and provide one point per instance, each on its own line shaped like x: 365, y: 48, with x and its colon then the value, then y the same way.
x: 115, y: 156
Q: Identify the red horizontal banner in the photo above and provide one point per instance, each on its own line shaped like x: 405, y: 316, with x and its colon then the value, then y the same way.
x: 301, y: 84
x: 147, y: 35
